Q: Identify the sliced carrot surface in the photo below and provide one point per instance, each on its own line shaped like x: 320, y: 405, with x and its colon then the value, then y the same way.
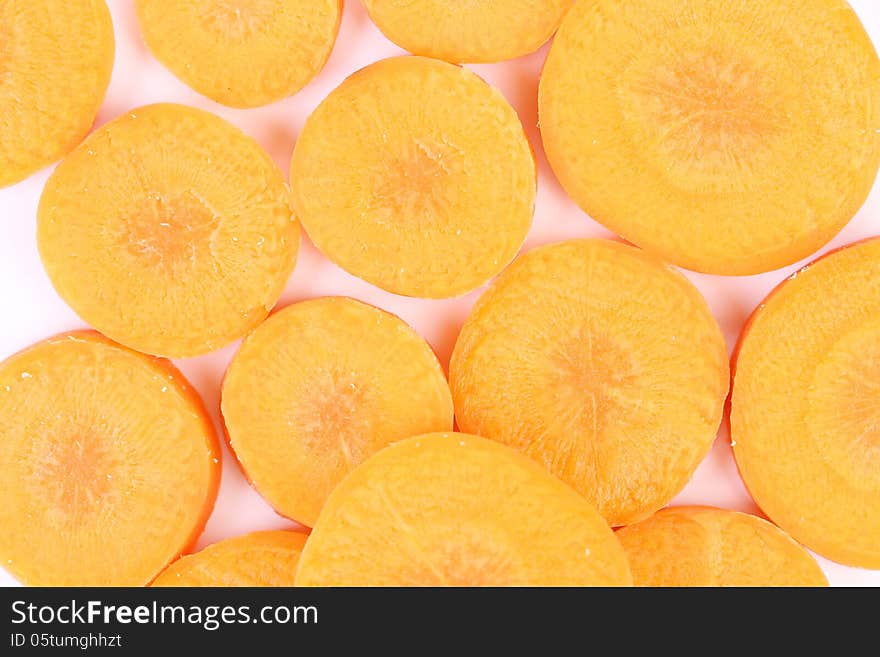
x: 416, y: 176
x: 55, y: 65
x: 602, y: 364
x: 318, y: 388
x: 485, y: 31
x: 267, y: 558
x: 805, y: 418
x: 169, y: 231
x: 726, y: 136
x: 109, y: 464
x: 458, y: 510
x: 241, y: 54
x: 703, y: 546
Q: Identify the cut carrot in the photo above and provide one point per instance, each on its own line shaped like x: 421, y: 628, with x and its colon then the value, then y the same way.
x: 602, y: 364
x: 702, y: 546
x: 728, y: 137
x: 486, y: 31
x: 168, y: 230
x: 416, y: 176
x: 241, y: 54
x: 318, y: 388
x: 267, y: 558
x: 458, y: 510
x: 109, y: 464
x: 805, y: 418
x: 55, y: 65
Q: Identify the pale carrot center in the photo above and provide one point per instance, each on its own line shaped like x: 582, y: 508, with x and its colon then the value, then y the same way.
x: 592, y: 371
x: 76, y: 471
x: 333, y: 420
x: 170, y: 231
x: 415, y: 184
x: 708, y: 112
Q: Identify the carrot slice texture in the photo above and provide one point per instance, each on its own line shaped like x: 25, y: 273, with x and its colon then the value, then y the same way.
x: 267, y: 558
x: 416, y: 176
x: 241, y: 54
x: 318, y: 388
x: 109, y: 464
x: 602, y: 364
x: 728, y: 137
x: 169, y: 231
x: 486, y: 31
x: 703, y: 546
x: 55, y: 65
x: 458, y: 510
x: 805, y: 421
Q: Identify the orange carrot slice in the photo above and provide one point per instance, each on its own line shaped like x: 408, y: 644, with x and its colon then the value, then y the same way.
x: 318, y: 388
x: 805, y: 420
x: 169, y: 231
x: 267, y: 558
x: 55, y: 65
x: 416, y: 176
x: 702, y: 546
x: 109, y: 464
x: 725, y: 137
x: 601, y: 363
x: 485, y: 31
x: 458, y: 510
x: 241, y: 54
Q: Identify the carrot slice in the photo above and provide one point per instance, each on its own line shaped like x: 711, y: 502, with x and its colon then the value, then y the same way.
x: 241, y: 54
x: 55, y: 65
x: 703, y: 546
x: 458, y: 510
x: 168, y: 230
x: 725, y: 137
x: 267, y: 558
x: 109, y: 464
x: 805, y: 420
x: 486, y: 31
x: 602, y: 364
x: 416, y: 176
x: 318, y: 388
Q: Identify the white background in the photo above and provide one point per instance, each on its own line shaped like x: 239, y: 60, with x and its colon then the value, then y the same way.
x: 30, y: 310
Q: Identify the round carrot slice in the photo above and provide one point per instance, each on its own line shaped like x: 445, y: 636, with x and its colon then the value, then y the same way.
x: 168, y: 230
x: 458, y: 510
x: 55, y: 65
x: 416, y: 176
x: 318, y: 388
x: 486, y: 31
x: 602, y: 364
x: 726, y: 137
x: 241, y: 54
x: 805, y: 418
x: 109, y: 464
x: 267, y: 558
x: 703, y: 546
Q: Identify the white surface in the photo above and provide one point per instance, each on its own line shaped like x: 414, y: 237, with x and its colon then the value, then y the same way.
x: 31, y: 310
